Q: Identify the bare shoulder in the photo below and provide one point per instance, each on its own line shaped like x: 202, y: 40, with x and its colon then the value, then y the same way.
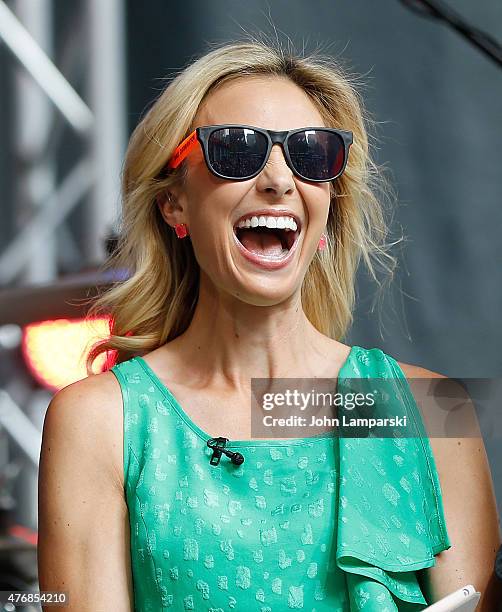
x: 90, y: 411
x: 440, y: 402
x: 430, y: 408
x: 454, y: 435
x: 414, y: 371
x: 83, y: 527
x: 441, y: 396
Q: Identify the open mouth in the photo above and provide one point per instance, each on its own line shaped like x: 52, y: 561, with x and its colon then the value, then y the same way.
x: 272, y: 243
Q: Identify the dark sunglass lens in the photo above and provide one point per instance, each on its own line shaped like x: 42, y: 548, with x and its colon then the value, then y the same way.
x: 236, y: 152
x: 316, y: 154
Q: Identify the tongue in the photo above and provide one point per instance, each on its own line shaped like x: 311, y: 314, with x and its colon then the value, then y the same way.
x: 261, y: 243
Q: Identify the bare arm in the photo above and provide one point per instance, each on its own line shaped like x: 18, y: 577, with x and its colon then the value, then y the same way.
x: 470, y: 512
x: 83, y: 545
x: 472, y: 521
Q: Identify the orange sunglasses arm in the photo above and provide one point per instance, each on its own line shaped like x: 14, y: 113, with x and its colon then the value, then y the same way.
x: 183, y: 150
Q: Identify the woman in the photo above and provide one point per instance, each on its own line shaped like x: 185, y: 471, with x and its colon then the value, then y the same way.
x: 243, y: 244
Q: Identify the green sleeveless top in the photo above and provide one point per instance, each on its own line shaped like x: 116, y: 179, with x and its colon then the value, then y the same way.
x: 319, y: 524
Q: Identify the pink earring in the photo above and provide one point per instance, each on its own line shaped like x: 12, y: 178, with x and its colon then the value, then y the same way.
x: 322, y: 242
x: 181, y: 230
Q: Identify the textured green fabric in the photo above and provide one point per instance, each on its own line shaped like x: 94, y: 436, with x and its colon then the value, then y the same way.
x: 326, y: 523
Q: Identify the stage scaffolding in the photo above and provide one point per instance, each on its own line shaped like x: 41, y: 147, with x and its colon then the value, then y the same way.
x: 69, y: 95
x: 92, y: 60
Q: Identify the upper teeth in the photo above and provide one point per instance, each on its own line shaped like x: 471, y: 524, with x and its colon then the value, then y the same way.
x: 287, y: 223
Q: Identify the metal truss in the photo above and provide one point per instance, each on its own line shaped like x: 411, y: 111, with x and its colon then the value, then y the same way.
x: 47, y: 103
x: 69, y: 134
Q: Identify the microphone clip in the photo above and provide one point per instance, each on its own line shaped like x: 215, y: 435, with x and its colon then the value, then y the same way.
x: 218, y: 446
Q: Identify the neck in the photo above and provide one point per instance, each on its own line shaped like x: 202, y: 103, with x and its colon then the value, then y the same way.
x: 228, y: 341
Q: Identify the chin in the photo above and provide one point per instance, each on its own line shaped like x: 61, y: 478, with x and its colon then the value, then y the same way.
x: 265, y: 294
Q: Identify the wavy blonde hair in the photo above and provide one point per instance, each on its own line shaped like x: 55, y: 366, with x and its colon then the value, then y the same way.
x: 156, y: 303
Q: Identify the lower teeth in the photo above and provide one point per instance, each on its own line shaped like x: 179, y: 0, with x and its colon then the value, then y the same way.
x: 280, y: 256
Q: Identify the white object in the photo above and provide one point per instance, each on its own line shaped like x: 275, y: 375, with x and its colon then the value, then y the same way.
x: 464, y: 600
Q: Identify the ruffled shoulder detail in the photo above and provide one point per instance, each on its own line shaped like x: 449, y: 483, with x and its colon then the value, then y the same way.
x: 390, y: 513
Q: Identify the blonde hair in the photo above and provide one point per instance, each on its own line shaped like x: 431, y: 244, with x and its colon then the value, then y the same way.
x: 156, y: 303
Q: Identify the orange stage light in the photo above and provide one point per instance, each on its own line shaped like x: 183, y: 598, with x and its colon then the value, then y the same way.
x: 55, y: 350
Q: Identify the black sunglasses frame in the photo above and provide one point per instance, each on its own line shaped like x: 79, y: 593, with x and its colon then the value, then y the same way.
x: 273, y: 137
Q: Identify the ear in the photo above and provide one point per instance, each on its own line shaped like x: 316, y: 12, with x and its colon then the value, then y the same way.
x: 171, y: 208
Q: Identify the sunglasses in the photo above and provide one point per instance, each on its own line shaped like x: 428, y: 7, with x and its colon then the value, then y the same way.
x: 240, y: 152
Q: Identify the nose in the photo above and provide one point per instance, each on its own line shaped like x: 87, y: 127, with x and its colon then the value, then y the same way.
x: 276, y: 177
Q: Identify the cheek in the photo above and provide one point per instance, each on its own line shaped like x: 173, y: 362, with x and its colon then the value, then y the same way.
x: 210, y: 205
x: 317, y: 200
x: 208, y: 195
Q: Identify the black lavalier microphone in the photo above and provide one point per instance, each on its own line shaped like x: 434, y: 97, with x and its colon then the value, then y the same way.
x: 218, y: 446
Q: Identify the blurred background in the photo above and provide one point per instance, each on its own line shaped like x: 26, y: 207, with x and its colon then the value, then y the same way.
x: 75, y: 78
